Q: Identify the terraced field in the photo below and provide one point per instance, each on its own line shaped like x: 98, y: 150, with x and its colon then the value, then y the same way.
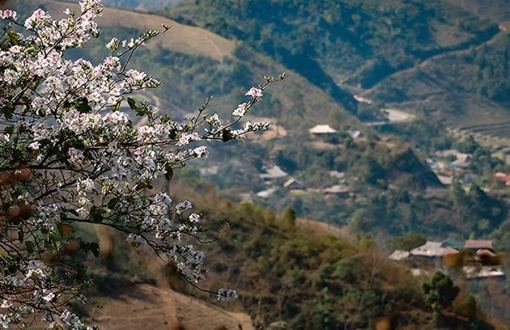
x: 499, y: 129
x: 495, y: 136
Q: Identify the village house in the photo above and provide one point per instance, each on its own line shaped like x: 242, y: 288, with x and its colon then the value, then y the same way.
x: 475, y: 245
x: 322, y: 130
x: 445, y: 180
x: 452, y: 243
x: 355, y: 134
x: 271, y: 173
x: 503, y: 178
x: 266, y: 193
x: 462, y: 160
x: 399, y: 255
x: 325, y: 132
x: 211, y: 170
x: 431, y: 250
x: 339, y: 190
x: 361, y: 99
x: 481, y: 272
x: 293, y: 184
x: 482, y: 265
x: 338, y: 175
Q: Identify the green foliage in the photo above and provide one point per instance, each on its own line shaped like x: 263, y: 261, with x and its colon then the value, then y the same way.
x: 407, y: 242
x: 289, y: 218
x: 488, y: 68
x: 439, y: 292
x: 306, y: 279
x: 359, y: 30
x: 342, y: 36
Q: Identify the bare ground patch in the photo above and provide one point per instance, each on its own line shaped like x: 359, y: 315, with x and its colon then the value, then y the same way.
x: 144, y: 306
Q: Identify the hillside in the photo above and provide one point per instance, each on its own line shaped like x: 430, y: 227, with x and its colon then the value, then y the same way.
x: 146, y: 306
x: 408, y: 55
x: 284, y: 273
x: 377, y: 193
x: 305, y: 278
x: 185, y: 39
x: 413, y: 55
x: 348, y: 42
x: 496, y: 10
x: 416, y: 56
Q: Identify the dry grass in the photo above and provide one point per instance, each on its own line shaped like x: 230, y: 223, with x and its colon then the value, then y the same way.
x: 324, y: 228
x: 182, y: 38
x: 143, y: 306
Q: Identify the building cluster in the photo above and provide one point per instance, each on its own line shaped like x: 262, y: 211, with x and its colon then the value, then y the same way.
x: 271, y: 176
x: 451, y: 164
x: 477, y: 258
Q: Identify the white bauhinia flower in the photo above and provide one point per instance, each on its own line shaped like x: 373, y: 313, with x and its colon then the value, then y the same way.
x: 74, y: 157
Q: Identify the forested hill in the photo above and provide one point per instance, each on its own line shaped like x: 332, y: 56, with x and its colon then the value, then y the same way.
x: 331, y: 42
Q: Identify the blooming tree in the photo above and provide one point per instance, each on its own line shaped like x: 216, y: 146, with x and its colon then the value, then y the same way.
x: 70, y: 154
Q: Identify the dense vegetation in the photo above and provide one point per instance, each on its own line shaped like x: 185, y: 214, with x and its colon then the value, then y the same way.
x: 357, y: 42
x: 308, y: 279
x: 419, y: 55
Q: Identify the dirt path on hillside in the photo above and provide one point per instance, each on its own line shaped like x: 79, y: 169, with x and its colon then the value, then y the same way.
x: 141, y: 306
x: 144, y: 306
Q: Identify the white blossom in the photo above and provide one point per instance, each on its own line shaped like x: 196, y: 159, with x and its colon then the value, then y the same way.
x: 85, y: 160
x: 7, y: 303
x: 240, y: 110
x: 255, y: 93
x: 227, y: 294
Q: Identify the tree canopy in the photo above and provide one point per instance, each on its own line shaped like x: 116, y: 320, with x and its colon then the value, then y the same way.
x: 79, y: 147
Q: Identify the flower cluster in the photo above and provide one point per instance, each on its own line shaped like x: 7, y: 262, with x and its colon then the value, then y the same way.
x: 69, y: 154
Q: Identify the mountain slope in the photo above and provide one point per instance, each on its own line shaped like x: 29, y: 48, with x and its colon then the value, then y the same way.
x: 181, y: 38
x: 144, y: 306
x: 347, y: 39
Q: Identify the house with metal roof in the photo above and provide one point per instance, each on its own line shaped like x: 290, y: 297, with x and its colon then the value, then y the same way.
x: 475, y: 245
x: 274, y: 172
x: 322, y: 130
x: 293, y: 184
x: 432, y: 250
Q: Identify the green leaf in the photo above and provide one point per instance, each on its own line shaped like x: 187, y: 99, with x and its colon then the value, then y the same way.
x: 30, y: 246
x: 82, y: 105
x: 97, y: 215
x: 53, y: 241
x: 21, y: 234
x: 97, y: 218
x: 116, y: 106
x: 7, y: 111
x: 169, y: 172
x: 13, y: 268
x: 10, y: 130
x: 227, y: 135
x: 17, y: 155
x: 94, y: 248
x: 112, y: 203
x: 132, y: 103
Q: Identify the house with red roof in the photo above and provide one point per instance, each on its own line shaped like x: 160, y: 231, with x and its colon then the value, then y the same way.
x: 475, y: 245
